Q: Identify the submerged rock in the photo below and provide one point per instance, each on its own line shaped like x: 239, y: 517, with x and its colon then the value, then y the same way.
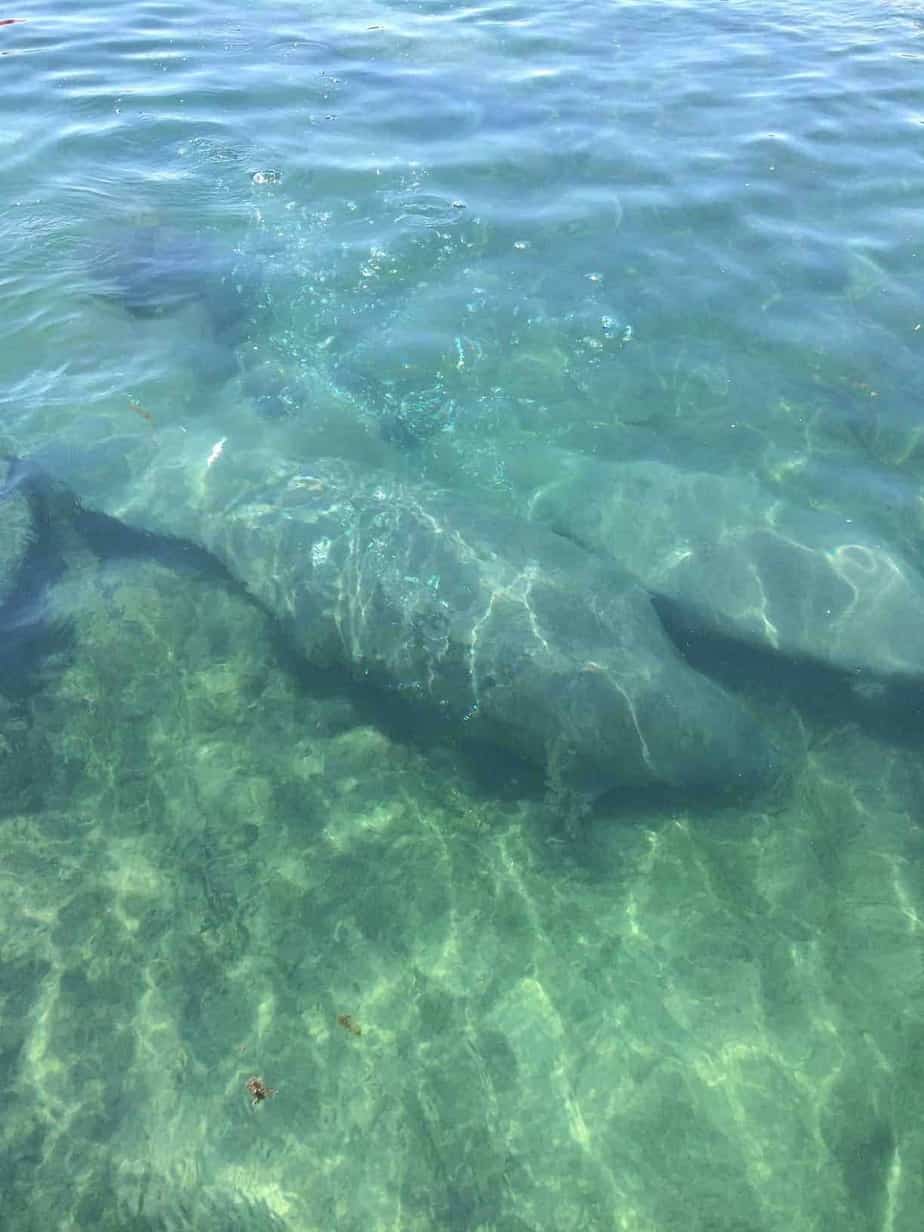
x: 738, y: 561
x: 509, y: 632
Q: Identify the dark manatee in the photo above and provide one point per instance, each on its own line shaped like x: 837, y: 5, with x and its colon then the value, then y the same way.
x: 153, y: 270
x: 508, y: 631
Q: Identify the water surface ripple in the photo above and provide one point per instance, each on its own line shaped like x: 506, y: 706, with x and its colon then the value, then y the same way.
x: 646, y: 273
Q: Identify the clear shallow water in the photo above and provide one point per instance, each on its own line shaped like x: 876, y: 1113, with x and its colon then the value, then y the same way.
x: 476, y: 247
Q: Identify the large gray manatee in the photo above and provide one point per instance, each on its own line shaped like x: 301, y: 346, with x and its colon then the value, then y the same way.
x: 506, y: 630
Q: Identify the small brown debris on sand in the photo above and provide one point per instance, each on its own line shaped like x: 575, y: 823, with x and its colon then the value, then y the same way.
x: 259, y: 1091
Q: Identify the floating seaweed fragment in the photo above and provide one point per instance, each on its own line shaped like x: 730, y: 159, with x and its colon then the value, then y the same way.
x: 259, y: 1091
x: 346, y: 1021
x: 137, y: 409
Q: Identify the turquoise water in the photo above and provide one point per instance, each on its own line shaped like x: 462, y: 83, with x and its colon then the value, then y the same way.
x: 550, y: 258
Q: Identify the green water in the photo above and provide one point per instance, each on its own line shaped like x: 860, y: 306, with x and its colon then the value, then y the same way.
x: 488, y: 238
